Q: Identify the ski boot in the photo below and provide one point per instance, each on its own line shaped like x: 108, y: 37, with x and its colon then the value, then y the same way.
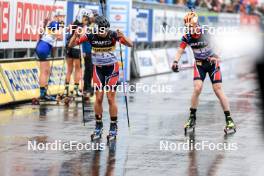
x: 230, y: 126
x: 98, y: 131
x: 46, y: 98
x: 190, y: 124
x: 77, y: 93
x: 112, y: 131
x: 43, y: 97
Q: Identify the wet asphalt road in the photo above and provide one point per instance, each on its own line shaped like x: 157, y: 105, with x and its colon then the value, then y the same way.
x: 155, y: 118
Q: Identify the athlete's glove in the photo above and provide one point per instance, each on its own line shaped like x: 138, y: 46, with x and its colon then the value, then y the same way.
x: 175, y: 66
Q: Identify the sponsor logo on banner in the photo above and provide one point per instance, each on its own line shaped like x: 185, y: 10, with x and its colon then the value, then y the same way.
x: 57, y: 77
x: 22, y: 79
x: 144, y: 63
x: 140, y: 25
x: 158, y: 22
x: 161, y: 61
x: 119, y: 18
x: 30, y: 17
x: 5, y: 96
x: 4, y: 21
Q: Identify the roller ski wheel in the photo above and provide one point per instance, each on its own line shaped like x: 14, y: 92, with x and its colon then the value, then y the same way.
x: 35, y: 101
x: 97, y: 134
x: 230, y: 127
x: 229, y: 130
x: 189, y: 129
x: 189, y: 126
x: 110, y: 138
x: 112, y: 132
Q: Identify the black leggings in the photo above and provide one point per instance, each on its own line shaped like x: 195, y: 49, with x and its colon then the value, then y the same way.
x: 88, y: 73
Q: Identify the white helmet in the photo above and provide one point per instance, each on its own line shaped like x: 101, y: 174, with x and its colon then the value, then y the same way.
x: 84, y: 13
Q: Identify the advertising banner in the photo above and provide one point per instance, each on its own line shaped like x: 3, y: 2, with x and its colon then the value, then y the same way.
x: 145, y: 63
x: 119, y: 14
x: 20, y: 27
x: 172, y: 27
x: 159, y: 22
x: 22, y: 79
x: 57, y: 78
x: 5, y: 96
x: 140, y: 25
x: 4, y: 21
x: 228, y: 20
x: 160, y: 60
x: 74, y: 7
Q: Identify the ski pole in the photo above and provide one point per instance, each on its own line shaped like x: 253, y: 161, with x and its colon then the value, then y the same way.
x: 102, y: 2
x: 83, y: 108
x: 124, y: 90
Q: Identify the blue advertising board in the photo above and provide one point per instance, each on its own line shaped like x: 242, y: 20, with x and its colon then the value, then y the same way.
x: 118, y: 13
x: 141, y: 25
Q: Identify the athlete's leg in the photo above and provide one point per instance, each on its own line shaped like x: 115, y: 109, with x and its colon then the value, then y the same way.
x: 111, y: 96
x: 197, y: 89
x: 98, y: 104
x: 69, y: 70
x: 216, y: 79
x: 98, y: 80
x: 44, y: 73
x: 221, y: 96
x: 77, y: 71
x: 77, y: 76
x: 43, y: 50
x: 199, y: 76
x: 224, y: 103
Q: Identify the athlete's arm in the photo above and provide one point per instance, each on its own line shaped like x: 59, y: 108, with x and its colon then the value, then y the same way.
x: 178, y: 55
x: 123, y: 39
x: 77, y: 40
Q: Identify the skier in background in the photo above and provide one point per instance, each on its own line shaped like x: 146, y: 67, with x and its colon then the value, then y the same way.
x: 45, y: 47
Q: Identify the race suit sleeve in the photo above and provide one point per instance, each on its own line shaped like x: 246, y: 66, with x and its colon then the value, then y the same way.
x: 184, y: 42
x: 84, y: 38
x: 121, y: 39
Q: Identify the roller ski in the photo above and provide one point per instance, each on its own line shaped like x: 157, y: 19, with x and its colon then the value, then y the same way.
x: 97, y: 134
x: 112, y: 132
x: 230, y: 126
x: 43, y: 97
x: 190, y: 125
x: 66, y: 99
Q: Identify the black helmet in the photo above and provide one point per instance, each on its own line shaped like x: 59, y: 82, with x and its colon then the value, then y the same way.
x: 101, y: 21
